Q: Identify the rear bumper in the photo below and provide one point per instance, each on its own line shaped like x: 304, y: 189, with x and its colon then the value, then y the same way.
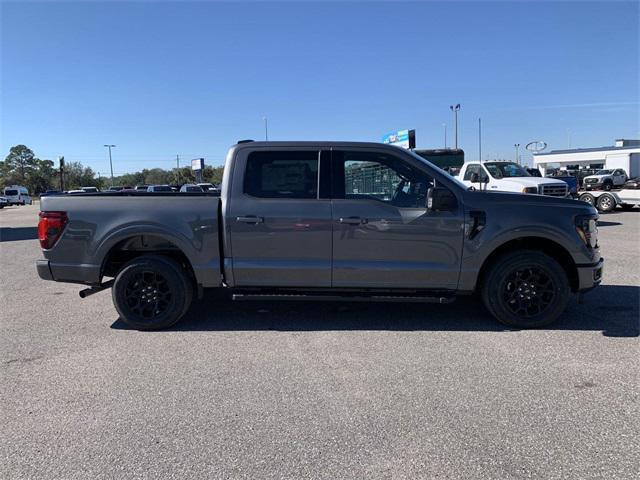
x: 84, y: 274
x: 590, y: 276
x: 42, y: 266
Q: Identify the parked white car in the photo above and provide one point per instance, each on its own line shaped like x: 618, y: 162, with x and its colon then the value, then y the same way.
x: 509, y: 177
x: 17, y: 195
x: 3, y: 202
x: 605, y: 179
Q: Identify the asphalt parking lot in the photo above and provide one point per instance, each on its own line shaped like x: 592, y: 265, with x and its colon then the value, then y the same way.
x: 307, y: 390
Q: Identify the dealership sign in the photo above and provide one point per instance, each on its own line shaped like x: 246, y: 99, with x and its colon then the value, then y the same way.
x: 197, y: 164
x: 401, y: 138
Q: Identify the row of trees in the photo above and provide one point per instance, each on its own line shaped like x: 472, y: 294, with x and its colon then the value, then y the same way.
x: 22, y: 167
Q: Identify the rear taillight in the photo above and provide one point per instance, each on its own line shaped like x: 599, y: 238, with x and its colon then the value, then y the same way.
x: 50, y: 228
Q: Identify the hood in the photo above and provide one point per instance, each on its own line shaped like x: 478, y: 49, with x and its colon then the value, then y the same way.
x: 511, y: 198
x: 531, y: 182
x: 597, y: 177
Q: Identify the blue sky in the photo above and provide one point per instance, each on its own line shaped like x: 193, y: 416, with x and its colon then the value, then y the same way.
x: 159, y: 79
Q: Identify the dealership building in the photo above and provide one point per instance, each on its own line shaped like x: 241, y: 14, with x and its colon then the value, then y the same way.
x: 624, y: 154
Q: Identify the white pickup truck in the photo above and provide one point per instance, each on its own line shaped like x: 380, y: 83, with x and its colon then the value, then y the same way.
x: 606, y: 179
x: 509, y: 177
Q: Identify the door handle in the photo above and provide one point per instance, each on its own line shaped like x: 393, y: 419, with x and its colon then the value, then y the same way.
x: 353, y: 220
x: 250, y: 219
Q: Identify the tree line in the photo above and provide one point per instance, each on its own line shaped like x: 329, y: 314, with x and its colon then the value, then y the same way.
x: 22, y: 167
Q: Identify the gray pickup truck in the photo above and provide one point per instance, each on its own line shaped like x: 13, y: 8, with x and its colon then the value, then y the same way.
x: 327, y: 221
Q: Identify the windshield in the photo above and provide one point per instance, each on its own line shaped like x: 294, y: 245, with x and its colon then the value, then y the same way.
x: 451, y: 177
x: 162, y: 188
x: 11, y: 192
x: 604, y: 172
x: 505, y: 170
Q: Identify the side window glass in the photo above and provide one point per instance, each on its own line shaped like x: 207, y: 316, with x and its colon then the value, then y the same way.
x: 471, y: 169
x: 285, y: 174
x: 384, y: 178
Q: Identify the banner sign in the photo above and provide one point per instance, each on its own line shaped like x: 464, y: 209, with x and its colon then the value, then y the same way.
x: 401, y: 138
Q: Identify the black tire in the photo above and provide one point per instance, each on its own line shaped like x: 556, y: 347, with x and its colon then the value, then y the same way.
x: 606, y: 202
x: 587, y: 197
x: 607, y: 186
x: 526, y: 289
x: 152, y: 292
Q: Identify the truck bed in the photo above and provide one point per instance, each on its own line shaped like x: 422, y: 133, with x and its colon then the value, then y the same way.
x: 100, y: 224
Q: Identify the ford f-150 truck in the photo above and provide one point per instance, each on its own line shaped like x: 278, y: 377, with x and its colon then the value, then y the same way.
x: 327, y: 221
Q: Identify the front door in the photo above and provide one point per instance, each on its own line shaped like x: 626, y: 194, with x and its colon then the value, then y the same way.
x: 383, y: 236
x: 279, y: 228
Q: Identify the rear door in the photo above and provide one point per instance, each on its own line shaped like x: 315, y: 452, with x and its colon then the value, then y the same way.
x: 383, y: 236
x: 279, y: 228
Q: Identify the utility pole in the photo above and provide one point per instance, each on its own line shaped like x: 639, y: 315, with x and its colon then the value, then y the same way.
x: 110, y: 161
x: 445, y: 135
x: 455, y: 109
x: 266, y: 130
x: 177, y: 169
x: 479, y: 139
x: 517, y: 145
x: 61, y: 160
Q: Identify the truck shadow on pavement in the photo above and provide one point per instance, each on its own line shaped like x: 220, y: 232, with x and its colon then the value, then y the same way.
x: 613, y: 310
x: 9, y: 234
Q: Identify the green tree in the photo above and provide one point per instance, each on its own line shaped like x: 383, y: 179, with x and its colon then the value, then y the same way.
x: 77, y: 176
x: 20, y: 161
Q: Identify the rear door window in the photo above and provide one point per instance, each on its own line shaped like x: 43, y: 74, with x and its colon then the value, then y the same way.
x: 11, y: 192
x: 282, y: 174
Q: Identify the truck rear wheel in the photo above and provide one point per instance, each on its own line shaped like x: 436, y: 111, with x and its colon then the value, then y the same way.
x: 606, y: 202
x: 526, y: 289
x: 152, y: 292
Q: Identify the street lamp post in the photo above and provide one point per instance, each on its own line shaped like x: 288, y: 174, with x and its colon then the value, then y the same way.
x: 445, y: 135
x: 455, y: 108
x: 266, y: 130
x: 517, y: 145
x: 110, y: 161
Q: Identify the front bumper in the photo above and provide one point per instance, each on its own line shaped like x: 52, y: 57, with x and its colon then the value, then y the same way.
x: 590, y: 276
x: 593, y: 186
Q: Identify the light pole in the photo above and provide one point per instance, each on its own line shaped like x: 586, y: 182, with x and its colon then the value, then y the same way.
x: 480, y: 140
x: 517, y: 145
x: 445, y: 135
x: 266, y: 130
x: 455, y: 108
x: 110, y: 161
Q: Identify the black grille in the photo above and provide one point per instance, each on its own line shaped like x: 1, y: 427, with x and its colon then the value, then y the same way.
x: 555, y: 190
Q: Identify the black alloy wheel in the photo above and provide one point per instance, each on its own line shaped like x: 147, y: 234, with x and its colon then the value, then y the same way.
x: 152, y: 292
x: 525, y: 289
x: 147, y: 294
x: 528, y: 292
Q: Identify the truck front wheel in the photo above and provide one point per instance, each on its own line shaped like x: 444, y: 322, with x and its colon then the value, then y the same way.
x: 152, y: 292
x: 526, y: 289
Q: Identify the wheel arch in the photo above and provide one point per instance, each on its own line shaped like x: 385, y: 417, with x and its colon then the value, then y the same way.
x: 125, y: 249
x: 540, y: 244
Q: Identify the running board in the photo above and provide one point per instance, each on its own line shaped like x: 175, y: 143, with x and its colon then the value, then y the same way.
x: 341, y: 298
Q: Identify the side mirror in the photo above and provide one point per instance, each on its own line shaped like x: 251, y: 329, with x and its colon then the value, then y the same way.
x: 440, y: 200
